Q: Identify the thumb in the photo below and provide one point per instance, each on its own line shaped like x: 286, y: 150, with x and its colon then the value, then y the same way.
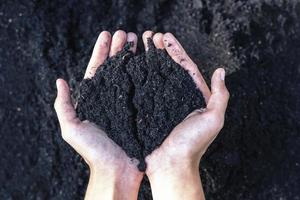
x: 63, y: 104
x: 220, y: 95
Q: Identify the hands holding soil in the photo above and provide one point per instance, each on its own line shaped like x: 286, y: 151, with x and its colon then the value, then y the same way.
x: 173, y: 168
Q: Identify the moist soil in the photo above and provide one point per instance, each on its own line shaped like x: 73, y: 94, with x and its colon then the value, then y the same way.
x: 255, y: 157
x: 138, y: 100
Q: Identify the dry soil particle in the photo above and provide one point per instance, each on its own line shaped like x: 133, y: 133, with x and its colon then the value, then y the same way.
x: 138, y: 100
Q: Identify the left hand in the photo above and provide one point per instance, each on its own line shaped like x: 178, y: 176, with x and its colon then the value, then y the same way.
x: 175, y: 164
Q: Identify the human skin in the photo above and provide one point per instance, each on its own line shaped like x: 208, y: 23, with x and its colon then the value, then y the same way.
x: 173, y: 168
x: 113, y: 175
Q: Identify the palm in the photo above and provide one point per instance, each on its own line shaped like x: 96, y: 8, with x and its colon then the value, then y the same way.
x: 191, y: 137
x: 94, y: 146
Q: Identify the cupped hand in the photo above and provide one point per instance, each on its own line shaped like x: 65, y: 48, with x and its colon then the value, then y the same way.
x: 109, y: 165
x: 177, y: 159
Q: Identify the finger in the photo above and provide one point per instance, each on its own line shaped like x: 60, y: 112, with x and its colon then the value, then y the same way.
x: 63, y: 104
x: 118, y: 41
x: 100, y: 53
x: 158, y: 40
x: 220, y: 95
x: 146, y: 36
x: 178, y: 54
x: 132, y: 37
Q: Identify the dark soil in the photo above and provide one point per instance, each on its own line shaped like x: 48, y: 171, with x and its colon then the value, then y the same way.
x: 256, y: 155
x: 138, y: 100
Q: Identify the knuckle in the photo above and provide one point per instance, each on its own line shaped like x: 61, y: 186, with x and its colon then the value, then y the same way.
x: 226, y: 94
x: 217, y: 121
x: 116, y: 48
x: 223, y: 95
x: 103, y: 46
x: 176, y: 51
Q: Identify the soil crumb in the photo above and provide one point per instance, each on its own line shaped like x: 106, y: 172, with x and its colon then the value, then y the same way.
x: 138, y: 99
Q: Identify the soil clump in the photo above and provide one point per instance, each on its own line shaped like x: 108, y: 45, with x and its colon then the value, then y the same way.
x: 138, y: 99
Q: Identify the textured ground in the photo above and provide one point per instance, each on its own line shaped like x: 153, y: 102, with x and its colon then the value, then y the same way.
x: 257, y: 154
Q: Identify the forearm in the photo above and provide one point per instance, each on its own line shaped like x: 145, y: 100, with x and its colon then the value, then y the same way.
x: 106, y: 186
x: 177, y: 183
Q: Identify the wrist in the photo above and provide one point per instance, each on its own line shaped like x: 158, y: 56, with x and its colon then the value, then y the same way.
x: 158, y: 163
x: 174, y: 177
x: 184, y: 179
x: 100, y: 187
x: 172, y: 170
x: 122, y: 184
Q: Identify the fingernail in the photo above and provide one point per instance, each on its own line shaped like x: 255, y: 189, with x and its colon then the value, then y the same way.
x: 222, y: 74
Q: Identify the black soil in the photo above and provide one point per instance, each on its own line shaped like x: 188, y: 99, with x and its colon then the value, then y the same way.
x: 138, y: 100
x: 255, y: 157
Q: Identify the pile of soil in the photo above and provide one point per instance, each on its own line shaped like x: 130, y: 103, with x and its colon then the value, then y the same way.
x: 255, y: 157
x: 138, y: 100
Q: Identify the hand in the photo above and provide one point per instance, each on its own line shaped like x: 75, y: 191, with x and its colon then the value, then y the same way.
x: 174, y: 166
x: 113, y: 174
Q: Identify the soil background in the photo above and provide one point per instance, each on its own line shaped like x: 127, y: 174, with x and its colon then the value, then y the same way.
x: 256, y: 155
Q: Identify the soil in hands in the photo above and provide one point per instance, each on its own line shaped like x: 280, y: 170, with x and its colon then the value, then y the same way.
x: 138, y: 99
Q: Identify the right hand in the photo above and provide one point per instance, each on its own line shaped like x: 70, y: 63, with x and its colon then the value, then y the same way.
x: 109, y: 164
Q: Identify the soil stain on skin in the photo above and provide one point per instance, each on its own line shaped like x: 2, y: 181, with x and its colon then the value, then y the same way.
x: 138, y: 100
